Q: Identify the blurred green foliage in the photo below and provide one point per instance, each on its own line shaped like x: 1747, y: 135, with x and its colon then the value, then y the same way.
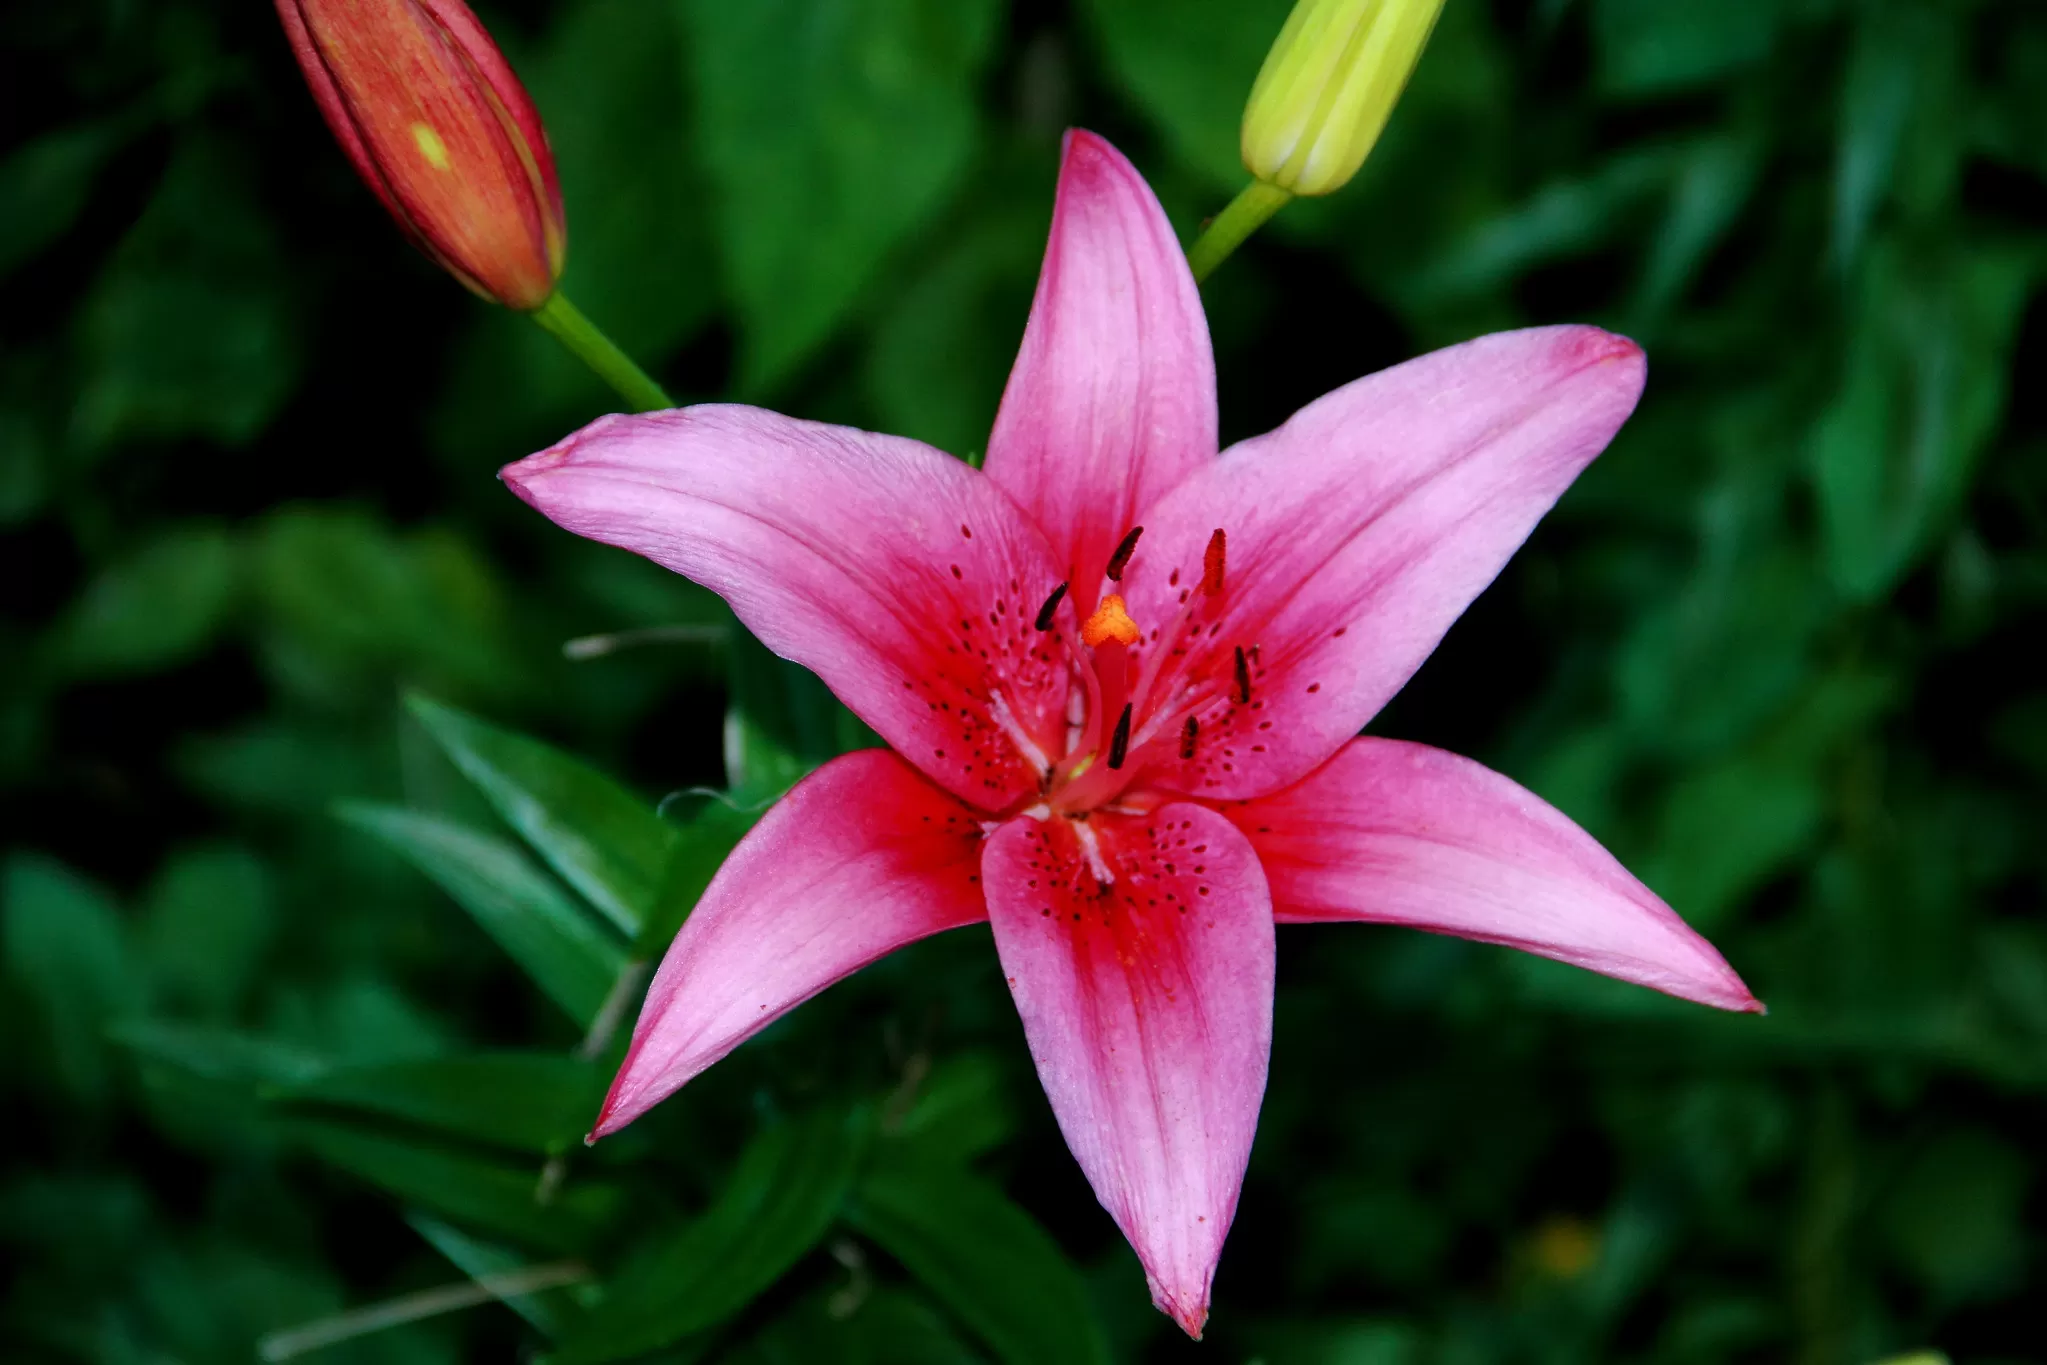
x: 259, y: 1070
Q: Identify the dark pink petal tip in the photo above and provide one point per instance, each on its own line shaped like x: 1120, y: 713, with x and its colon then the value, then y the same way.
x: 1191, y: 1318
x: 606, y: 1124
x: 1597, y: 345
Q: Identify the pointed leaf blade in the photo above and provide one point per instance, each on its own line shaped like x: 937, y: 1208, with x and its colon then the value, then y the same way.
x: 503, y: 1198
x: 551, y: 1311
x: 605, y: 842
x: 777, y: 1205
x: 527, y: 1101
x: 565, y: 953
x: 984, y: 1258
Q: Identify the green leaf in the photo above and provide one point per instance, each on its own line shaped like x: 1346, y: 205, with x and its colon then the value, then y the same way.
x: 65, y: 949
x: 960, y: 1111
x: 702, y: 845
x: 363, y: 1018
x: 551, y: 1311
x: 1877, y: 96
x: 496, y: 1197
x: 218, y: 1054
x: 771, y: 1211
x: 26, y: 454
x: 985, y: 1259
x: 758, y: 763
x: 857, y: 1325
x: 1728, y: 826
x: 832, y: 133
x: 1925, y: 388
x: 349, y: 602
x: 273, y: 768
x: 1362, y: 1341
x: 192, y: 330
x: 1656, y: 47
x: 1569, y: 216
x: 156, y: 608
x: 783, y: 724
x: 604, y: 841
x: 610, y: 81
x: 571, y: 958
x: 1189, y: 65
x: 2010, y: 112
x: 528, y: 1101
x: 1708, y: 193
x: 1953, y: 1220
x: 206, y: 924
x: 44, y: 186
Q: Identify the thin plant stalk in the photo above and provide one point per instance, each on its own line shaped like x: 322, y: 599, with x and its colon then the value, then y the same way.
x: 565, y: 323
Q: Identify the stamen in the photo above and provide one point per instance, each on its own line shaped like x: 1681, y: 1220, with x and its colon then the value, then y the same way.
x: 1006, y: 721
x: 1111, y: 621
x: 1212, y: 563
x: 1119, y: 743
x: 1091, y: 846
x: 1044, y: 621
x: 1123, y: 553
x: 1188, y: 736
x: 1243, y: 678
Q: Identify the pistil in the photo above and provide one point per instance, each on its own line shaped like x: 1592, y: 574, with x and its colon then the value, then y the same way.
x: 1131, y: 723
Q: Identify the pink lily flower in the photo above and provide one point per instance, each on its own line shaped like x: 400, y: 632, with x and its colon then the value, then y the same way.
x: 1122, y: 679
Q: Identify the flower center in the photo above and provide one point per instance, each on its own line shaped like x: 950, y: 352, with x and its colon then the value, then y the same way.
x: 1136, y: 700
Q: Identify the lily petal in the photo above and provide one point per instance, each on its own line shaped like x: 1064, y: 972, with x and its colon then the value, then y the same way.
x: 1147, y: 1004
x: 1359, y: 531
x: 900, y: 576
x: 860, y: 858
x: 1112, y: 399
x: 1398, y: 833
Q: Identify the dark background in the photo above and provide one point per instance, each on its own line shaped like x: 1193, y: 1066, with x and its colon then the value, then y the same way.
x: 1772, y: 649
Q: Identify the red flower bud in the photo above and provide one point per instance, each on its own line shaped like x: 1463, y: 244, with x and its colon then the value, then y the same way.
x: 436, y: 123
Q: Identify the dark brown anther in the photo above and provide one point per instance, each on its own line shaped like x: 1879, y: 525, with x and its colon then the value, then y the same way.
x: 1123, y: 553
x: 1212, y: 563
x: 1188, y: 736
x: 1119, y: 743
x: 1243, y: 678
x: 1044, y: 621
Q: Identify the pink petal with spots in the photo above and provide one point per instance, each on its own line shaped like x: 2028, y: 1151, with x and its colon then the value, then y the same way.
x: 1112, y: 399
x: 900, y: 576
x: 1358, y: 532
x: 860, y: 858
x: 1147, y: 1004
x: 1398, y: 833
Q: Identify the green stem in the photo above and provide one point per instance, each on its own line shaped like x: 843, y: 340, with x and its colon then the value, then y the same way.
x: 1255, y: 203
x: 568, y: 326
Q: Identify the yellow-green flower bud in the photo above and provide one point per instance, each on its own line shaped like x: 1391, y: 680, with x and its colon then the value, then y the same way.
x: 1327, y: 87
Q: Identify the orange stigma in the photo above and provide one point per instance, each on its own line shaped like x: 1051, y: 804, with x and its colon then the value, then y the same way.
x: 1110, y: 622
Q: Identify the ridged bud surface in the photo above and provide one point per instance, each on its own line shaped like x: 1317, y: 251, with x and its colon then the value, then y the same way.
x: 1327, y: 88
x: 436, y: 123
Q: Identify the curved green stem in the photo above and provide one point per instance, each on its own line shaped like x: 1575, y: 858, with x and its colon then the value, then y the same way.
x: 567, y: 325
x: 1245, y: 214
